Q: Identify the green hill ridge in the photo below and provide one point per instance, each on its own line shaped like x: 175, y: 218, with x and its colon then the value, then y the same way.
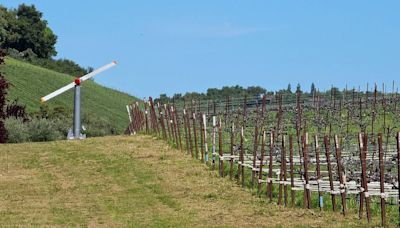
x: 30, y: 83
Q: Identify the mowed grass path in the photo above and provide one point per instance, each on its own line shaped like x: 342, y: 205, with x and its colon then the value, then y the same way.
x: 130, y: 181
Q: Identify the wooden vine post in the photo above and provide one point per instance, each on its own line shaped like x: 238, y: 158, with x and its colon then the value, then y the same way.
x: 221, y: 154
x: 189, y: 134
x: 382, y: 180
x: 260, y: 173
x: 364, y: 194
x: 161, y: 117
x: 255, y: 148
x: 241, y: 158
x: 340, y: 174
x: 306, y: 178
x: 285, y: 190
x: 186, y: 131
x: 175, y: 126
x: 214, y: 133
x: 270, y: 175
x: 292, y: 192
x: 330, y: 172
x: 146, y: 117
x: 202, y: 132
x: 178, y: 126
x: 362, y: 188
x: 153, y: 116
x: 319, y: 178
x: 167, y: 120
x: 205, y: 138
x: 195, y: 135
x: 231, y: 160
x: 172, y: 123
x: 283, y: 177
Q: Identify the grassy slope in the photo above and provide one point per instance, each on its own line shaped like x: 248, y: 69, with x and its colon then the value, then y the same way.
x: 131, y: 181
x: 30, y: 83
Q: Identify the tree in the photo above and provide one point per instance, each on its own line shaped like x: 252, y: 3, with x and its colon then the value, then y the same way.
x: 24, y: 28
x: 213, y: 93
x: 289, y: 88
x: 3, y: 24
x: 177, y: 97
x: 313, y: 90
x: 163, y: 99
x: 255, y: 90
x: 26, y: 36
x: 298, y: 88
x: 335, y: 92
x: 8, y: 27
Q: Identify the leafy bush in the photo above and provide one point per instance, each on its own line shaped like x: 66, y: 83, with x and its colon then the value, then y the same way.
x: 14, y: 53
x: 62, y: 125
x: 53, y: 124
x: 44, y: 130
x: 97, y: 127
x: 29, y: 55
x: 17, y: 130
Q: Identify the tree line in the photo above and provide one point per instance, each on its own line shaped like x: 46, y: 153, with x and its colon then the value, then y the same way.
x: 254, y: 91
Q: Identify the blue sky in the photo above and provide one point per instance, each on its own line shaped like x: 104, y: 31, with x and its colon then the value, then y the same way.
x: 180, y: 46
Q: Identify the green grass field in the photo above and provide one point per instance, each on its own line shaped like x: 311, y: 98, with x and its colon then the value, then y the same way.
x: 30, y: 83
x: 132, y: 182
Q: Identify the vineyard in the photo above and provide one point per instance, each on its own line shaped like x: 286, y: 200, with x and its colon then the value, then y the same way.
x: 338, y: 152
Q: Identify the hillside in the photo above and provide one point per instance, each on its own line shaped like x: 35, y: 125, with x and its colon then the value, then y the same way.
x: 126, y: 181
x: 31, y: 82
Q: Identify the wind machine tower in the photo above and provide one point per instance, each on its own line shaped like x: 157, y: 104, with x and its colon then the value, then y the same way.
x: 76, y: 131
